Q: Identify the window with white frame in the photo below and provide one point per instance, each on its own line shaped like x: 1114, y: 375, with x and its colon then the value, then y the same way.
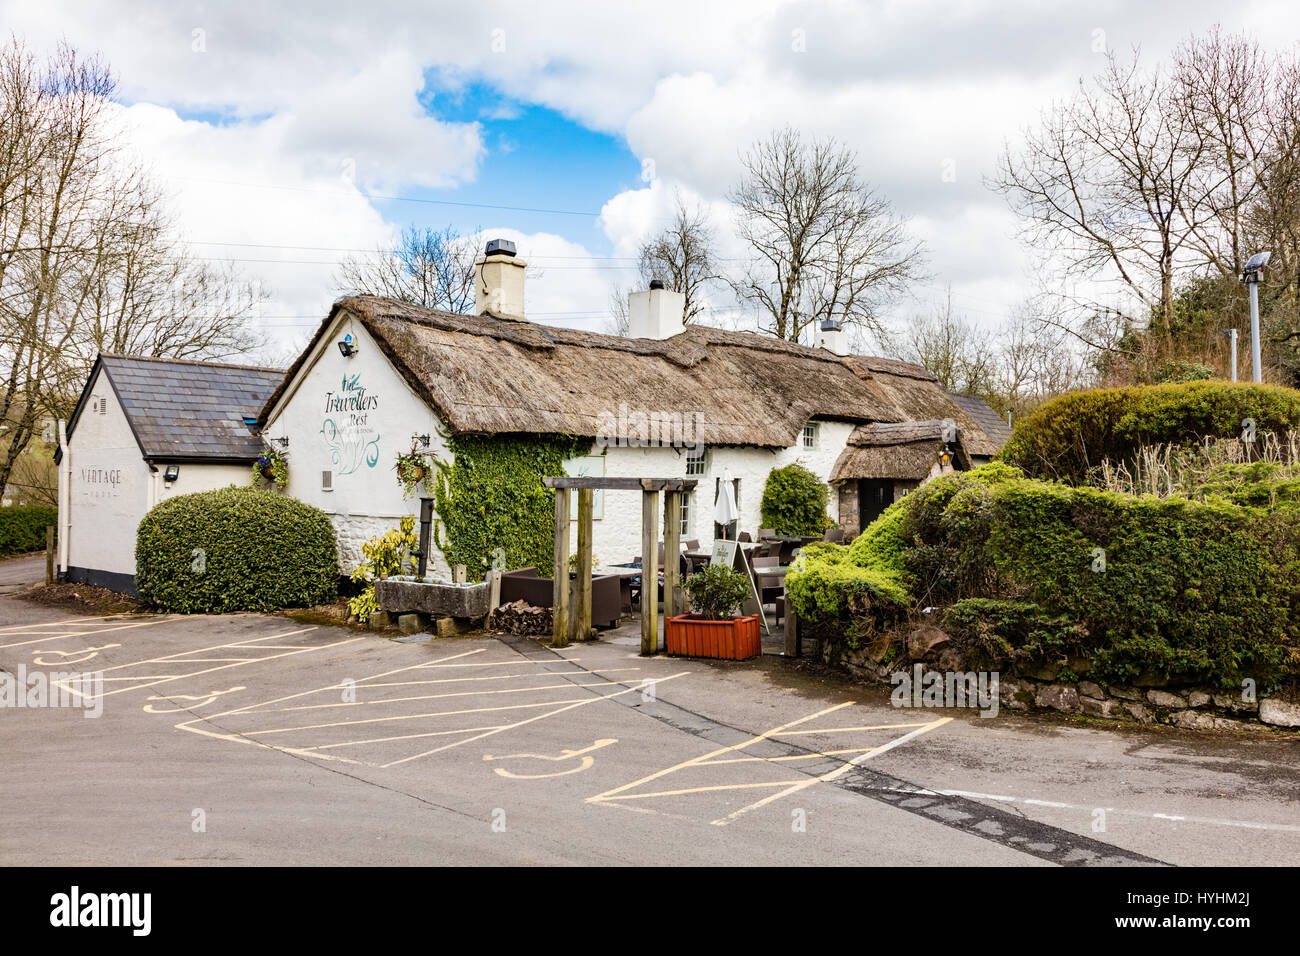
x: 686, y: 515
x: 695, y: 461
x: 810, y: 435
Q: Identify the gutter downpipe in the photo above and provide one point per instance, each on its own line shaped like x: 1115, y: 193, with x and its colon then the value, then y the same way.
x: 65, y: 499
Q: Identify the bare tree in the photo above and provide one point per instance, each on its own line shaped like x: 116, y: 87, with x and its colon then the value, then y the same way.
x: 426, y: 267
x: 960, y: 355
x: 682, y: 256
x: 823, y: 244
x: 85, y: 261
x: 1109, y: 187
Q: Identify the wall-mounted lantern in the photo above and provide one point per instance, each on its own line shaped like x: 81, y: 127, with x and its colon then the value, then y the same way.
x: 423, y: 440
x: 282, y: 442
x: 171, y: 473
x: 348, y: 346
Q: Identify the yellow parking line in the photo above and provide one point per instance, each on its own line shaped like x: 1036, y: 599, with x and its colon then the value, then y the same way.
x: 725, y: 786
x: 334, y: 687
x: 831, y: 775
x: 382, y: 740
x: 460, y: 693
x: 95, y: 633
x: 429, y: 715
x: 589, y: 700
x: 721, y: 750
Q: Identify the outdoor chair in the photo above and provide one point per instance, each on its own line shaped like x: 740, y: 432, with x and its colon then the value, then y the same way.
x: 744, y: 537
x: 766, y: 533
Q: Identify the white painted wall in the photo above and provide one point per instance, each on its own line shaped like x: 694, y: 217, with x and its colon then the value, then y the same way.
x: 359, y: 445
x: 616, y: 537
x: 108, y: 486
x: 111, y: 487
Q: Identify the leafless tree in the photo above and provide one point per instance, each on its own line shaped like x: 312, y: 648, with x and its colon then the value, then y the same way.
x: 86, y: 264
x: 960, y: 355
x: 682, y: 256
x: 1109, y: 185
x: 823, y: 244
x: 426, y: 267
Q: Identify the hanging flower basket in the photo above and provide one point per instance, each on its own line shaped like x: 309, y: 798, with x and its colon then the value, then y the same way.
x: 271, y: 466
x: 413, y: 469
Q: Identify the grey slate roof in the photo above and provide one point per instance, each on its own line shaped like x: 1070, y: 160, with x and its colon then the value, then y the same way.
x: 987, y: 418
x: 189, y: 410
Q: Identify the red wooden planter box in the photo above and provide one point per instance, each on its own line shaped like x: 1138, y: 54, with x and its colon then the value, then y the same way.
x: 736, y: 639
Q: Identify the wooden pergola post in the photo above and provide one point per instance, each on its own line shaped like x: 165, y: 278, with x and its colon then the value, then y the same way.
x: 580, y: 622
x: 672, y: 550
x: 649, y: 567
x: 560, y: 573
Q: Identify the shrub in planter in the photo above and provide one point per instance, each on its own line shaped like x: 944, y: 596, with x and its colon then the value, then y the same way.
x: 716, y: 594
x: 235, y: 549
x: 794, y: 502
x: 22, y: 529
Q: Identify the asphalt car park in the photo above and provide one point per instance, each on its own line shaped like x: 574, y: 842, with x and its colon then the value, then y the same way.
x: 258, y: 739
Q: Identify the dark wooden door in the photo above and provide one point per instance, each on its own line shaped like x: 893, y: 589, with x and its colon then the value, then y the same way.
x: 874, y: 496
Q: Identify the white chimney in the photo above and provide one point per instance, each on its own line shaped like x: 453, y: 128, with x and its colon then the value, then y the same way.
x: 656, y: 313
x: 499, y: 281
x: 832, y: 338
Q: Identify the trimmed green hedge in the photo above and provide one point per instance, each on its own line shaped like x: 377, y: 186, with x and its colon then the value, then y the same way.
x: 1066, y: 437
x: 1189, y: 591
x: 794, y: 501
x: 22, y: 529
x: 235, y: 549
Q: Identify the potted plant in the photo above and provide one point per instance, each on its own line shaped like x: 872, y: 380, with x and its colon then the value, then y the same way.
x: 413, y: 468
x: 713, y: 629
x: 271, y: 466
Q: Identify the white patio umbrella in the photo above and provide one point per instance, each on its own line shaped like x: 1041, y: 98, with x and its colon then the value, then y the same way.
x: 724, y: 508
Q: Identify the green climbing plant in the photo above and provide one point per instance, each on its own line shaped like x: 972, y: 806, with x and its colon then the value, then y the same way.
x: 491, y: 495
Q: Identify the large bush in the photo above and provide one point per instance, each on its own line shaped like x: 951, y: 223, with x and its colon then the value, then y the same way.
x: 1185, y: 590
x: 1067, y: 437
x: 22, y: 529
x: 794, y: 501
x: 236, y: 549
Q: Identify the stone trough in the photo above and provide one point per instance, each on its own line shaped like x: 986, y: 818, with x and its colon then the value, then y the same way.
x: 437, y: 599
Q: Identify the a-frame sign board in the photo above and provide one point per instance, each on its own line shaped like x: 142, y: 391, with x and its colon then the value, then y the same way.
x: 730, y: 554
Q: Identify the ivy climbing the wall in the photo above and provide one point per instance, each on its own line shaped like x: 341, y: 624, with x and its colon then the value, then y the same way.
x: 491, y: 496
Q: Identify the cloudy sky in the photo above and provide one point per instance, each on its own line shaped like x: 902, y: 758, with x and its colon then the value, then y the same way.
x: 290, y: 134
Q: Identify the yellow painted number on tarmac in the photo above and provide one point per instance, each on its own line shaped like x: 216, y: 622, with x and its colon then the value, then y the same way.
x: 585, y: 760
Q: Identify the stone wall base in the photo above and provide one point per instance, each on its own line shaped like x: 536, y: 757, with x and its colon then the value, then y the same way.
x: 1192, y: 708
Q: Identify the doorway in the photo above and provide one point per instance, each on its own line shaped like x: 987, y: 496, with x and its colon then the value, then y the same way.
x: 874, y: 496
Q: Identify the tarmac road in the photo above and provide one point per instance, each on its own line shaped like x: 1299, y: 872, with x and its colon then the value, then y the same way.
x: 247, y: 738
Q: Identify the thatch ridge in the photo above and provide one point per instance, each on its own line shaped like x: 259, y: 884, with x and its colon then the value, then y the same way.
x: 485, y: 374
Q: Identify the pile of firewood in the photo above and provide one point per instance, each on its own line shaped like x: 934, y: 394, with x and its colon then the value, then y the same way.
x: 520, y: 617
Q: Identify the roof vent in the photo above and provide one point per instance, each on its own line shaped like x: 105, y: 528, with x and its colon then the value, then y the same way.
x: 656, y: 283
x: 500, y: 247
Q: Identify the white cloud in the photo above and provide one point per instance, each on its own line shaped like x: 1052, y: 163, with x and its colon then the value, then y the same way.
x: 298, y: 93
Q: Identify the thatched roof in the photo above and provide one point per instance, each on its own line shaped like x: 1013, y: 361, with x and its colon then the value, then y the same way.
x: 903, y: 450
x: 484, y: 374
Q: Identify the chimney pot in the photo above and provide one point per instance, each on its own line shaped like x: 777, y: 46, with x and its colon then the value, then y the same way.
x: 656, y: 283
